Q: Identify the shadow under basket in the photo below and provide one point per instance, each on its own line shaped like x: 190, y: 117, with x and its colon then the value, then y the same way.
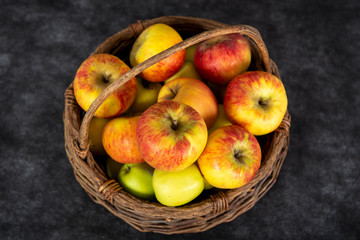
x: 213, y: 206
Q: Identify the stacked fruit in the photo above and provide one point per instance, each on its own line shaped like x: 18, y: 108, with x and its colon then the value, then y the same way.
x: 185, y: 124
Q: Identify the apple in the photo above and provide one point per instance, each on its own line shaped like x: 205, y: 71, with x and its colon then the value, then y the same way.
x: 257, y: 101
x: 207, y: 185
x: 112, y: 168
x: 137, y: 179
x: 221, y: 119
x: 219, y: 91
x: 95, y: 135
x: 190, y: 52
x: 177, y: 188
x: 94, y: 75
x: 231, y: 157
x: 194, y: 93
x: 171, y: 135
x: 153, y: 40
x: 146, y: 96
x: 187, y: 70
x: 220, y: 59
x: 119, y: 140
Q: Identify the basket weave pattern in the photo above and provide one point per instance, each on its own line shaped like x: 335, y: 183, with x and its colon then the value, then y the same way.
x: 215, y: 206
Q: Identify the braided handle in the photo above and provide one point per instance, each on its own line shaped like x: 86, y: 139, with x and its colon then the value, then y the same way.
x: 246, y: 30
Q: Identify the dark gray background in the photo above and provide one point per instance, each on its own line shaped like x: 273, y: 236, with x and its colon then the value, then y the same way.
x: 316, y: 47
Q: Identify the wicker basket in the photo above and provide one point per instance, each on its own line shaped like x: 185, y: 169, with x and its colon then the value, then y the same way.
x: 213, y: 206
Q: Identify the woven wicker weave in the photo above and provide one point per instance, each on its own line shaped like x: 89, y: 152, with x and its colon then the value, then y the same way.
x: 213, y: 206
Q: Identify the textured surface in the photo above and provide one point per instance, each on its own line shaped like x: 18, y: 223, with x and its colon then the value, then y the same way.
x: 316, y: 48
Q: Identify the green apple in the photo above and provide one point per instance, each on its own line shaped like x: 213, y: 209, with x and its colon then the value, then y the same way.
x: 221, y: 119
x: 136, y: 178
x: 178, y: 188
x: 112, y: 168
x: 187, y: 70
x: 146, y: 96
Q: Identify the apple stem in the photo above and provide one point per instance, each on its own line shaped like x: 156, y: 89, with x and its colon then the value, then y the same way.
x: 237, y: 155
x: 106, y: 78
x: 145, y: 83
x: 174, y: 124
x: 263, y: 102
x: 128, y: 168
x: 173, y: 93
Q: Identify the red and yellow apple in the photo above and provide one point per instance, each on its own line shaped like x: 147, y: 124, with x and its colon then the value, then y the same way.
x: 153, y: 40
x: 177, y: 188
x: 171, y: 135
x: 94, y: 75
x: 220, y: 59
x: 257, y: 101
x: 194, y: 93
x: 146, y: 96
x: 95, y: 135
x: 119, y: 140
x: 231, y: 157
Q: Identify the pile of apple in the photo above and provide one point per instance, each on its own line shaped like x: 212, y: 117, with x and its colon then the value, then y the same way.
x: 185, y: 124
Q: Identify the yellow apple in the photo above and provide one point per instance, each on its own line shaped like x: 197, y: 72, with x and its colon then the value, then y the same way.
x: 221, y: 119
x: 95, y: 135
x: 146, y: 95
x: 94, y: 75
x: 207, y: 185
x: 187, y: 70
x: 190, y: 52
x: 153, y: 40
x: 177, y: 188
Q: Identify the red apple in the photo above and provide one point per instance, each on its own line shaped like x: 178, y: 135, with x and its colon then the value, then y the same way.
x: 221, y: 58
x: 231, y: 158
x: 171, y: 135
x: 194, y: 93
x: 94, y: 75
x: 119, y: 140
x: 257, y: 101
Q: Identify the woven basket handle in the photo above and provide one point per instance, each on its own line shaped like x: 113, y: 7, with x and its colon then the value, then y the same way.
x: 246, y: 30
